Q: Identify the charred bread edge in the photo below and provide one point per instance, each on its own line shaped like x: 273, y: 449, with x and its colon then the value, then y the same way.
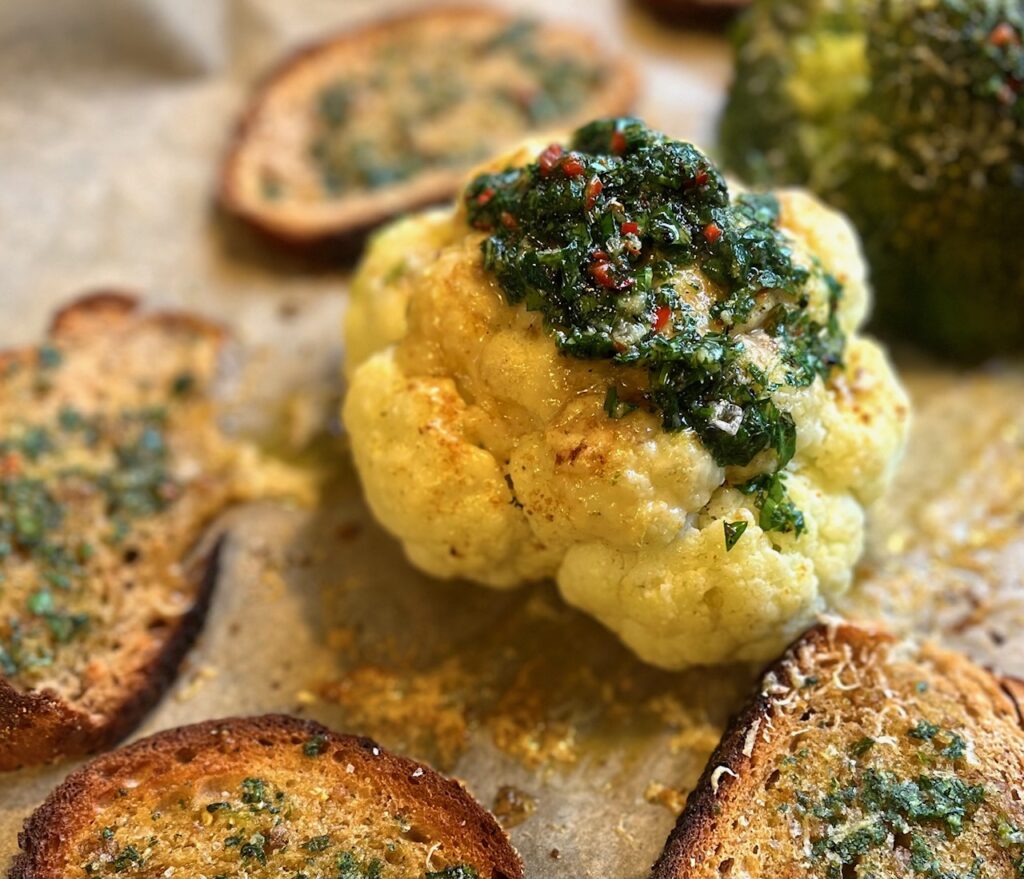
x: 419, y: 191
x: 44, y: 727
x: 45, y: 827
x: 698, y: 818
x: 47, y: 727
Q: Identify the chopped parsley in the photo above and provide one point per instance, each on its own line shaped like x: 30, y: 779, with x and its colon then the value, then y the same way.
x: 733, y: 532
x: 43, y: 472
x: 254, y: 848
x: 598, y: 238
x: 127, y: 858
x: 862, y: 746
x: 254, y: 791
x: 350, y: 867
x: 315, y: 746
x: 924, y: 730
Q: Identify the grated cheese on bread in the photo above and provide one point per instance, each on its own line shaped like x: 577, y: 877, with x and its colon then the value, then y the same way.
x: 860, y: 756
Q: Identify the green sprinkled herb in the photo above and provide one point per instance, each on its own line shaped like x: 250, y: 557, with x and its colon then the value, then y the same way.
x: 595, y: 238
x: 733, y: 532
x: 315, y: 746
x: 924, y: 730
x: 254, y: 791
x: 183, y: 384
x: 777, y: 512
x: 1008, y: 834
x: 349, y: 867
x: 50, y: 357
x: 614, y: 407
x: 317, y: 844
x: 862, y: 746
x: 126, y: 858
x: 254, y: 848
x: 956, y: 748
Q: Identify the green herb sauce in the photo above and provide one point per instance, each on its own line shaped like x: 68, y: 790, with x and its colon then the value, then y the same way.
x: 594, y: 238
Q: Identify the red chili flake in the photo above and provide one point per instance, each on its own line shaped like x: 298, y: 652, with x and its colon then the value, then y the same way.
x: 701, y: 179
x: 593, y: 190
x: 1004, y: 34
x: 572, y: 167
x: 509, y: 221
x: 548, y: 159
x: 712, y: 233
x: 618, y: 144
x: 629, y: 228
x: 601, y: 272
x: 485, y: 196
x: 662, y: 315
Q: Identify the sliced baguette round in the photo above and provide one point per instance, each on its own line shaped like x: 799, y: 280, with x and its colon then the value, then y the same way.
x: 272, y: 142
x: 98, y: 608
x: 856, y: 732
x: 259, y: 797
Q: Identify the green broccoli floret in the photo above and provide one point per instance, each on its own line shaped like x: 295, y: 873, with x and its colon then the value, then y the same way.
x: 909, y: 116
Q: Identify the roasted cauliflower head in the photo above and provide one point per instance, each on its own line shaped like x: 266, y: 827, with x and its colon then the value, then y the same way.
x: 604, y: 368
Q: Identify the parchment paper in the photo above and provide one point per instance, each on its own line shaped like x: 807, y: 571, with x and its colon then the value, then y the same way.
x: 112, y: 117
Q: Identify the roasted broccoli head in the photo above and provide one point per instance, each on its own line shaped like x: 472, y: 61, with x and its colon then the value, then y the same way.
x: 907, y: 115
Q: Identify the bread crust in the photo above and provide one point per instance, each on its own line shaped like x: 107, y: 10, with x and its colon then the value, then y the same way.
x: 214, y: 744
x: 40, y: 726
x: 697, y: 826
x: 367, y: 210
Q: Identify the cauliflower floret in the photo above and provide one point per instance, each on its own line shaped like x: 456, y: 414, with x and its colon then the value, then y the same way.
x: 493, y: 456
x: 382, y: 288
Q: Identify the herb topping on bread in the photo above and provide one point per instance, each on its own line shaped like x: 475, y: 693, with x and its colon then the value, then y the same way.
x: 390, y: 116
x: 111, y: 468
x: 261, y: 797
x: 862, y: 756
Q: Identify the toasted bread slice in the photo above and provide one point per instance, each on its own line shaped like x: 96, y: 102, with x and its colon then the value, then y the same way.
x: 111, y: 468
x: 862, y: 756
x: 390, y: 116
x: 265, y: 796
